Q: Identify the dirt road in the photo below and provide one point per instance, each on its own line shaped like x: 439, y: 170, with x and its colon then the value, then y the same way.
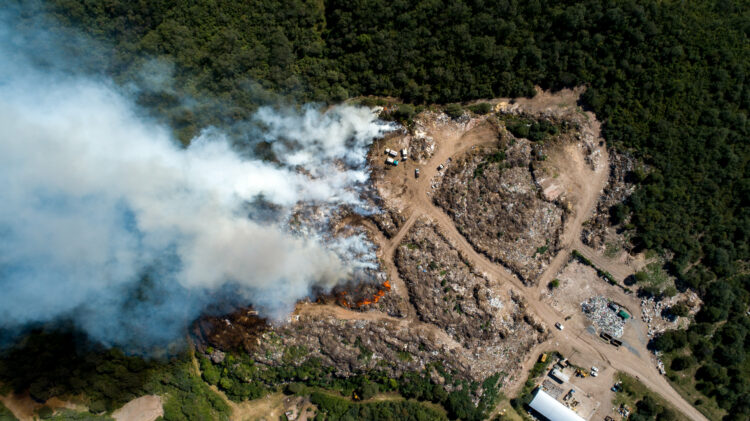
x: 575, y: 338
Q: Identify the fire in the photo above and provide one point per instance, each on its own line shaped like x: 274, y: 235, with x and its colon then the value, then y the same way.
x: 367, y: 301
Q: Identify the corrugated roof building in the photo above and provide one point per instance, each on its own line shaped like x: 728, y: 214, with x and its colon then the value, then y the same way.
x: 551, y: 409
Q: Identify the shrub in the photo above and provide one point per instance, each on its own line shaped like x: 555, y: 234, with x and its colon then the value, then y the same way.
x: 481, y: 108
x: 681, y: 363
x: 454, y: 110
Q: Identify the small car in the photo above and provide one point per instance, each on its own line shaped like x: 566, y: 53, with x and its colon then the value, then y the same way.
x: 559, y: 326
x: 440, y: 167
x: 416, y: 173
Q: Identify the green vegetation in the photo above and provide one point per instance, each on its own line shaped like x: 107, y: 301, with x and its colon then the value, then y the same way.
x: 553, y: 283
x: 242, y: 378
x: 5, y: 414
x: 667, y: 78
x: 70, y: 415
x: 334, y: 408
x: 529, y: 128
x: 611, y: 249
x: 496, y: 157
x: 454, y: 110
x: 525, y: 396
x: 711, y: 358
x: 52, y: 364
x: 681, y: 370
x: 480, y: 108
x: 645, y: 405
x: 654, y: 281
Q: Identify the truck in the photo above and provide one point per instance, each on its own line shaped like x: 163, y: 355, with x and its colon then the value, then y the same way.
x: 404, y: 154
x: 392, y: 153
x: 391, y: 161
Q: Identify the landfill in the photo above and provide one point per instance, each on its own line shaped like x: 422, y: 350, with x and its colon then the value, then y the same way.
x: 598, y: 310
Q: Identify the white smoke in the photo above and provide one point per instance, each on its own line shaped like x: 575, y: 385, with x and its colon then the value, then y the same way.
x: 93, y: 198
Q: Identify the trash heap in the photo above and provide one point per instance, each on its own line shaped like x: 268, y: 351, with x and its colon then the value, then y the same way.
x: 598, y: 310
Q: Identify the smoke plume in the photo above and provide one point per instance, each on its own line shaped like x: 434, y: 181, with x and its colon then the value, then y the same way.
x: 107, y: 221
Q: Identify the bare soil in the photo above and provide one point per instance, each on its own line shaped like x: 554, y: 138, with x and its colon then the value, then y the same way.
x: 144, y: 408
x: 576, y: 172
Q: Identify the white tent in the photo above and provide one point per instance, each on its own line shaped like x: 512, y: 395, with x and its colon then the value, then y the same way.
x: 551, y: 409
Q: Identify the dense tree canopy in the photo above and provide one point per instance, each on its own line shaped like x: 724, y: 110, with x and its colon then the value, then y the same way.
x: 668, y: 78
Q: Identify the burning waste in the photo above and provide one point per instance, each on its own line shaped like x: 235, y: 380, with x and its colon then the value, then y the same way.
x: 108, y: 222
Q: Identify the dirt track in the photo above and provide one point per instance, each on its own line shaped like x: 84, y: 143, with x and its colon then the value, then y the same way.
x: 575, y: 339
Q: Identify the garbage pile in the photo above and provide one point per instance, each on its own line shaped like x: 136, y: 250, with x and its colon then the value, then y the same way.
x: 604, y: 315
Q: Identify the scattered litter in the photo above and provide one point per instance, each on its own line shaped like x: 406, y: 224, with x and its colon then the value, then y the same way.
x: 597, y: 309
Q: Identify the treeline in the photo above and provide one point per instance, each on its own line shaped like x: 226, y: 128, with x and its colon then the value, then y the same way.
x: 65, y: 365
x: 715, y: 349
x: 241, y: 379
x: 668, y: 79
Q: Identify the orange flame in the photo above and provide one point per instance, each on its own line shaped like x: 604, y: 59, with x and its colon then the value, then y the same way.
x: 341, y: 300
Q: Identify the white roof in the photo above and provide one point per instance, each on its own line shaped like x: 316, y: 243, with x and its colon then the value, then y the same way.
x: 559, y: 375
x: 551, y: 409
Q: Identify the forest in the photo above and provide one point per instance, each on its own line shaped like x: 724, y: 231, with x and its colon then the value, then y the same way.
x: 668, y: 80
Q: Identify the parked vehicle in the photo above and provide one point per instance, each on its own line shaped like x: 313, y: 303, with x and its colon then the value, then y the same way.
x: 416, y: 173
x: 559, y: 326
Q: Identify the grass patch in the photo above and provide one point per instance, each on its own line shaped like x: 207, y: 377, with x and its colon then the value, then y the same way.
x: 611, y: 249
x: 333, y: 408
x: 684, y: 383
x: 636, y: 396
x: 5, y: 414
x: 655, y: 281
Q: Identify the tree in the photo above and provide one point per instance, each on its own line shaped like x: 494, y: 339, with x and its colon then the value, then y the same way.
x: 368, y: 390
x: 679, y: 309
x: 648, y: 406
x: 681, y: 363
x: 454, y: 110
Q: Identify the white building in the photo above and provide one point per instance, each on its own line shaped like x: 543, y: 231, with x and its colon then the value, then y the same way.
x: 551, y: 409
